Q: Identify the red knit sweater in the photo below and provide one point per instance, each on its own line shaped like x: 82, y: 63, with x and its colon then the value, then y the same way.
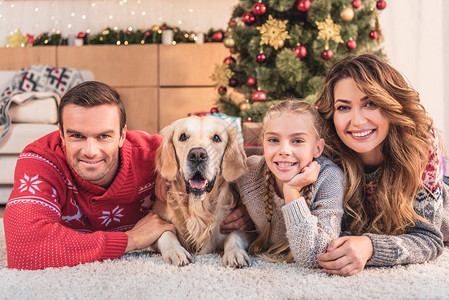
x: 54, y: 218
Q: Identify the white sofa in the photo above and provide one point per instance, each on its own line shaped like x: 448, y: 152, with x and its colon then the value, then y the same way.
x: 30, y: 121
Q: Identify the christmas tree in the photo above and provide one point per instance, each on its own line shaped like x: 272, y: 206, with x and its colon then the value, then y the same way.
x: 283, y: 48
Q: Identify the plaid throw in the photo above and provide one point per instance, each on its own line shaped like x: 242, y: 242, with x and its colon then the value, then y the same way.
x: 37, y: 78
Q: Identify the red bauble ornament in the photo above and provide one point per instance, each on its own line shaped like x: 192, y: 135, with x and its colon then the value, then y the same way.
x: 374, y: 34
x: 232, y: 23
x: 217, y: 36
x: 381, y: 4
x: 229, y: 60
x: 214, y: 110
x: 81, y: 35
x: 248, y: 18
x: 300, y: 51
x: 356, y: 3
x: 351, y: 44
x: 222, y: 90
x: 259, y: 9
x: 259, y: 96
x: 261, y: 58
x: 303, y: 5
x: 233, y: 82
x: 327, y: 54
x: 251, y: 81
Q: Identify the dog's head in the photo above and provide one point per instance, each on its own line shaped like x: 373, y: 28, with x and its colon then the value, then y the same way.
x: 200, y: 150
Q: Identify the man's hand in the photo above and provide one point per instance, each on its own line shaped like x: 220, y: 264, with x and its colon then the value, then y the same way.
x: 147, y: 231
x: 238, y: 219
x: 347, y: 255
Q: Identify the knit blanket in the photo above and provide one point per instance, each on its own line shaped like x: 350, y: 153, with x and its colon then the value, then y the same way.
x: 144, y: 275
x: 33, y: 80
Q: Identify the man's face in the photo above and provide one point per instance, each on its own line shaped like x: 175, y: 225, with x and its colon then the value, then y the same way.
x: 92, y: 140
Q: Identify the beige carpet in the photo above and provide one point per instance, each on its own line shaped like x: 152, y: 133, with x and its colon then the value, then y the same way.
x: 146, y: 276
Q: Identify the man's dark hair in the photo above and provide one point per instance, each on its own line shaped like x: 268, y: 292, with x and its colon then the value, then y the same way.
x: 90, y: 94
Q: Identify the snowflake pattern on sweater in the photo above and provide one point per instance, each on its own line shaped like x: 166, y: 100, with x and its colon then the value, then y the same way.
x: 54, y: 218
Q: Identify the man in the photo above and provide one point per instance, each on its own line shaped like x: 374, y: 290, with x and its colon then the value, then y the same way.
x: 83, y: 194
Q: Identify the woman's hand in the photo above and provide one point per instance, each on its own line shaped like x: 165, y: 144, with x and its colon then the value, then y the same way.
x: 308, y: 175
x: 346, y: 255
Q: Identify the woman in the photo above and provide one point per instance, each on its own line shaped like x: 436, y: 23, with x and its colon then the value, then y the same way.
x: 383, y: 139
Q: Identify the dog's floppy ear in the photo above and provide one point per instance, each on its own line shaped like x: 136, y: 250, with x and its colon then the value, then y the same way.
x: 234, y: 159
x: 166, y: 162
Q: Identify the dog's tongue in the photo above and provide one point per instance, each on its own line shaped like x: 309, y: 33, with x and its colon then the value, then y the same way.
x: 198, y: 184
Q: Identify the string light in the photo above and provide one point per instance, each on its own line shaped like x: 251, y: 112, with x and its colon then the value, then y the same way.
x: 62, y: 21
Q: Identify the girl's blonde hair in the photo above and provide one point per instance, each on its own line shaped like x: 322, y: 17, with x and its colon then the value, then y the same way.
x: 281, y: 251
x: 405, y: 149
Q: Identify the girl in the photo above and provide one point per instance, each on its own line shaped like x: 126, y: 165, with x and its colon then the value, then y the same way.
x: 292, y: 191
x: 382, y: 137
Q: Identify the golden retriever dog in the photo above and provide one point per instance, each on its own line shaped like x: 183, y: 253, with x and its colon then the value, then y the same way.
x: 198, y: 158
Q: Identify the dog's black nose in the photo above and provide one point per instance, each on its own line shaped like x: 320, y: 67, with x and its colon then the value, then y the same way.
x: 197, y: 155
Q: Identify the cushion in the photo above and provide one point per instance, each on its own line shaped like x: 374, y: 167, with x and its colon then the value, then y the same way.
x: 7, y: 165
x: 36, y: 110
x: 5, y: 191
x: 22, y: 134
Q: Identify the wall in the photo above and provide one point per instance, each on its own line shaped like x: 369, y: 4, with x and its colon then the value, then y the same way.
x: 415, y: 36
x: 73, y: 16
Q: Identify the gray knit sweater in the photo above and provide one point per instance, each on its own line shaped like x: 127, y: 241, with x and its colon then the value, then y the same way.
x: 420, y: 243
x: 309, y: 229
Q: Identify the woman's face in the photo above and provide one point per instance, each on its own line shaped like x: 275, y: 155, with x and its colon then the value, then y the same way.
x: 360, y: 124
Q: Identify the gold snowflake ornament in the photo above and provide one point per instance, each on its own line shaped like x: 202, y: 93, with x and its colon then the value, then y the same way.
x: 329, y: 31
x: 221, y: 75
x: 273, y: 32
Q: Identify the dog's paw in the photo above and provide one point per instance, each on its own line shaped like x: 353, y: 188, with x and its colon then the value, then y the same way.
x: 177, y: 256
x: 237, y: 258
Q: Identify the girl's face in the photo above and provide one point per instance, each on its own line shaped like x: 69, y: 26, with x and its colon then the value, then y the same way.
x: 360, y: 124
x: 290, y: 143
